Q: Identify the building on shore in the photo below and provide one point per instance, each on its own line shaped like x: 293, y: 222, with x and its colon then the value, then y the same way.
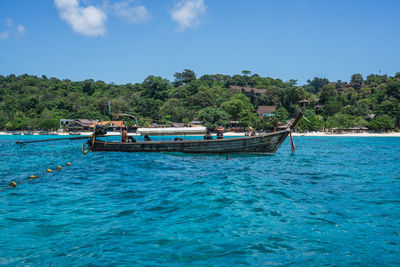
x: 178, y: 124
x: 304, y: 103
x: 64, y: 123
x: 80, y: 125
x: 349, y: 130
x: 319, y: 109
x: 195, y: 122
x: 237, y: 127
x: 250, y: 92
x: 267, y: 111
x: 111, y: 126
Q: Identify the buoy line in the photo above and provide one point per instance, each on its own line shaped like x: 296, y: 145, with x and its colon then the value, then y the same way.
x: 15, y: 184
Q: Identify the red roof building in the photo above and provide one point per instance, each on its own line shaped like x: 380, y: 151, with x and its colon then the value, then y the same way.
x: 267, y: 111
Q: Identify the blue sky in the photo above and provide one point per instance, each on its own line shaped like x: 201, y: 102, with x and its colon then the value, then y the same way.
x: 124, y: 41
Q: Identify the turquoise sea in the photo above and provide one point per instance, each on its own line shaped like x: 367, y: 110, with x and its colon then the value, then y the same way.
x: 336, y: 201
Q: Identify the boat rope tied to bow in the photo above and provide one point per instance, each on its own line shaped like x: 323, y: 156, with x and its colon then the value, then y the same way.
x: 292, y: 146
x: 85, y: 151
x: 299, y: 116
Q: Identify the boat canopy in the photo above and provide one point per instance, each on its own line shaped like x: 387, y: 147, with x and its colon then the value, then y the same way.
x: 172, y: 131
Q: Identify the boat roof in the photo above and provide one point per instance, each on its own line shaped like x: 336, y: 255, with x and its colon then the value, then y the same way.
x: 172, y: 130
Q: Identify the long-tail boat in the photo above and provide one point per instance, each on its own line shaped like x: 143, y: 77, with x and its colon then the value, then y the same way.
x: 267, y: 143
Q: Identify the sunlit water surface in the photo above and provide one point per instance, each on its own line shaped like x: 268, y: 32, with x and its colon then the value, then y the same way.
x: 335, y: 201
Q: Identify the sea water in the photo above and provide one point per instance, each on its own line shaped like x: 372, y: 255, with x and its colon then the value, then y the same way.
x: 336, y: 201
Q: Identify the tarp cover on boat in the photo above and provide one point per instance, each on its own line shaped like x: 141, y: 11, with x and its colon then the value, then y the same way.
x: 172, y: 131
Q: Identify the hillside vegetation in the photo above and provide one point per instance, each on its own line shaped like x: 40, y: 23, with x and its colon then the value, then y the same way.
x: 30, y: 102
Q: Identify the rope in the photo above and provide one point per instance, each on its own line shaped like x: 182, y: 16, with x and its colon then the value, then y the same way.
x: 83, y: 148
x: 15, y: 184
x: 292, y: 142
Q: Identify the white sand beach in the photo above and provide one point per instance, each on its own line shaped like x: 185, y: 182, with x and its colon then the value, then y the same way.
x: 322, y: 134
x: 328, y: 134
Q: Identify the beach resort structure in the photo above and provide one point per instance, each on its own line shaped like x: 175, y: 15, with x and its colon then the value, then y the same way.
x: 110, y: 125
x: 80, y: 125
x: 353, y: 130
x: 267, y: 111
x: 250, y: 92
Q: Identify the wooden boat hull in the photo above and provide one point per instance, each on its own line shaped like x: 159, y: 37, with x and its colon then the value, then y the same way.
x: 263, y: 144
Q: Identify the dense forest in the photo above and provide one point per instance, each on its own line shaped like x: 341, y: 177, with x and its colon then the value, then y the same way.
x: 30, y: 102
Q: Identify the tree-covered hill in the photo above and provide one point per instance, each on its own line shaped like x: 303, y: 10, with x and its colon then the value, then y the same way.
x: 30, y: 102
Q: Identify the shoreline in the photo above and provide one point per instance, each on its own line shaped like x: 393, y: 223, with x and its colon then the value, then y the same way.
x: 310, y: 134
x: 328, y: 134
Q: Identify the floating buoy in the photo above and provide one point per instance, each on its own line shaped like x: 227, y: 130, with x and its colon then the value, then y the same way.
x: 51, y: 146
x: 14, y: 184
x: 83, y: 148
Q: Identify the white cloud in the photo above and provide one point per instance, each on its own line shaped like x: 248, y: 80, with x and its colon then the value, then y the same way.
x: 134, y: 14
x: 11, y: 31
x: 4, y: 35
x: 9, y: 22
x: 187, y: 13
x: 88, y: 20
x: 20, y: 30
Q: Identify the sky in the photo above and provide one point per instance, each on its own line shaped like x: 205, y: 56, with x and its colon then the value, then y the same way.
x: 124, y: 41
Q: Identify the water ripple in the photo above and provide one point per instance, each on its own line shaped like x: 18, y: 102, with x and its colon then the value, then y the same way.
x: 335, y: 201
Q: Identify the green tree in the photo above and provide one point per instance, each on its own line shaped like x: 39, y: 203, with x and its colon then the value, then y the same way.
x: 393, y: 89
x: 268, y: 123
x: 332, y: 107
x: 182, y: 78
x: 343, y: 121
x: 312, y: 123
x: 357, y: 81
x: 328, y: 91
x: 20, y: 121
x: 390, y: 107
x: 204, y: 98
x: 48, y: 124
x: 89, y: 87
x: 361, y: 108
x: 174, y: 111
x: 381, y: 123
x: 26, y: 101
x: 87, y: 112
x: 281, y: 114
x: 3, y: 119
x: 251, y: 120
x: 238, y: 106
x: 155, y: 87
x: 148, y: 107
x: 212, y: 117
x: 316, y: 84
x: 272, y: 97
x: 291, y: 96
x: 178, y: 92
